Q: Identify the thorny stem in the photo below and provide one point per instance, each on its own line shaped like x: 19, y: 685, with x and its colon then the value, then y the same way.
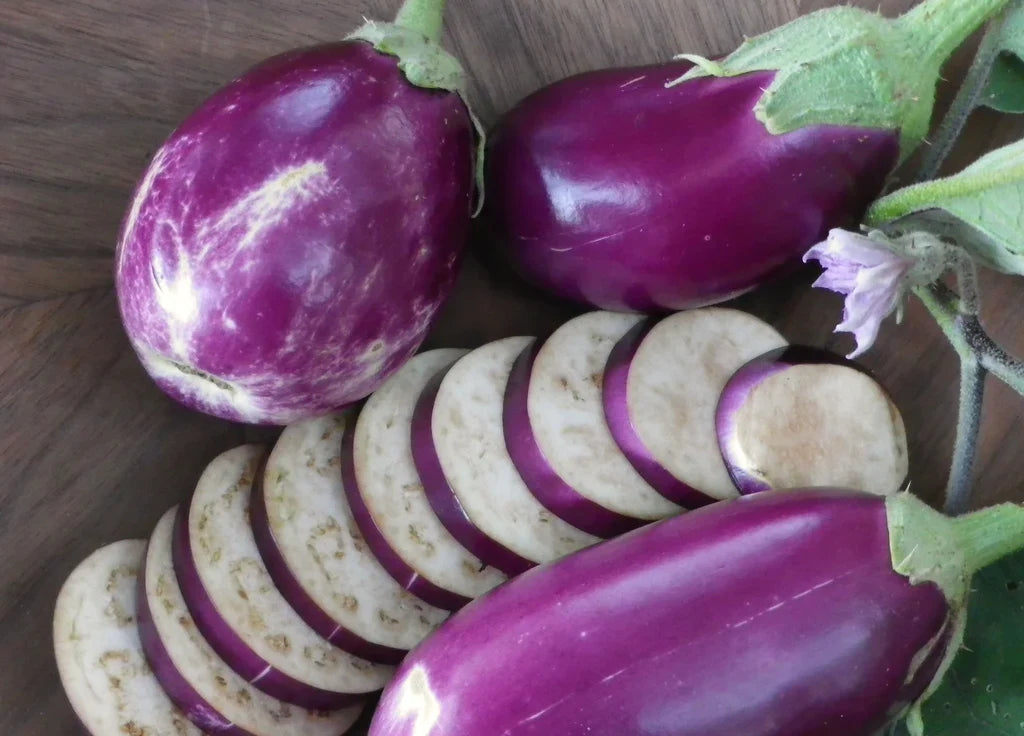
x: 966, y: 99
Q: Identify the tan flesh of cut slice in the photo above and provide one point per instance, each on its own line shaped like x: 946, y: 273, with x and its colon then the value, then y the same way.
x: 467, y: 430
x: 675, y: 379
x: 318, y: 537
x: 822, y: 425
x: 237, y: 582
x: 99, y: 655
x: 228, y: 694
x: 567, y: 417
x: 393, y: 493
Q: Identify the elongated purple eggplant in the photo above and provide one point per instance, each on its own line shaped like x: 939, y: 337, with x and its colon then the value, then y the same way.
x: 810, y: 613
x: 625, y: 190
x: 293, y: 240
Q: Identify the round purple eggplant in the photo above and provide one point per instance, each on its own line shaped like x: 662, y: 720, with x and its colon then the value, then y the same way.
x: 810, y: 613
x: 291, y: 243
x: 671, y: 186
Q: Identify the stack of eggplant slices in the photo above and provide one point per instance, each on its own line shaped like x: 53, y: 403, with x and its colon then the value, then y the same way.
x: 284, y: 592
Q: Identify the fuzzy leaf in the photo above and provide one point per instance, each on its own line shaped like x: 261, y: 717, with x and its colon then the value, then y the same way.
x: 983, y: 693
x: 981, y: 208
x: 1005, y: 89
x: 851, y: 67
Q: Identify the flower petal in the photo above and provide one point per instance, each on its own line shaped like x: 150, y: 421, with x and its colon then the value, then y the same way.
x: 871, y: 275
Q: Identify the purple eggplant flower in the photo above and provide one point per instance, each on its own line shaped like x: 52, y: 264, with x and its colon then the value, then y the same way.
x: 874, y: 273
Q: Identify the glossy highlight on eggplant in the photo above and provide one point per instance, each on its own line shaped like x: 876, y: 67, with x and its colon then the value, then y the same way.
x: 610, y: 189
x: 779, y: 614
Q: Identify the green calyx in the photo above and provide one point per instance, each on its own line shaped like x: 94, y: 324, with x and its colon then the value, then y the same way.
x: 424, y: 61
x: 929, y: 547
x: 414, y: 39
x: 847, y: 66
x: 925, y: 548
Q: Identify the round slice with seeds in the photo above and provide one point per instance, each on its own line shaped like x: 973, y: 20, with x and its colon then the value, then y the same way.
x: 470, y: 479
x: 661, y: 389
x: 386, y: 494
x: 801, y: 417
x: 558, y: 436
x: 99, y: 655
x: 200, y: 683
x: 239, y: 610
x: 318, y: 557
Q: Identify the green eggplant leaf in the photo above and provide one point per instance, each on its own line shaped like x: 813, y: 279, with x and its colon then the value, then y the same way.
x: 1005, y: 88
x: 981, y: 209
x: 983, y: 692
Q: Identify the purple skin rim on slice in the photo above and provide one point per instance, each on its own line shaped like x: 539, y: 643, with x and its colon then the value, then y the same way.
x: 230, y: 646
x: 540, y: 477
x: 195, y: 707
x: 442, y: 497
x: 308, y: 609
x: 616, y: 408
x: 389, y: 559
x: 737, y: 391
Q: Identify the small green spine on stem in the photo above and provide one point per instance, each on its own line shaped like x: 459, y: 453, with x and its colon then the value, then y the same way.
x: 422, y: 16
x: 988, y: 535
x: 940, y: 26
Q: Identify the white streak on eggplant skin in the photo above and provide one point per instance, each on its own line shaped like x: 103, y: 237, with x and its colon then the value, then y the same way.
x: 156, y: 166
x: 176, y: 295
x: 241, y: 224
x: 279, y: 233
x: 256, y: 395
x: 417, y: 702
x: 202, y: 391
x: 783, y: 603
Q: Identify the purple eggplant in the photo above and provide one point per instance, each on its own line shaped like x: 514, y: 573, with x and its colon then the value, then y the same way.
x: 675, y: 186
x: 810, y: 613
x: 292, y: 242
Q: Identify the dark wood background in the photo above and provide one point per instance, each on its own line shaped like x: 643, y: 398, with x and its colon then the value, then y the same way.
x: 91, y: 452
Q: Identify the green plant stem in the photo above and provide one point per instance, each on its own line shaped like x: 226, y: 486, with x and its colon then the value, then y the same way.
x: 957, y: 317
x: 1003, y: 366
x: 424, y: 16
x: 966, y: 99
x: 968, y: 426
x: 942, y: 25
x: 990, y: 534
x: 967, y: 336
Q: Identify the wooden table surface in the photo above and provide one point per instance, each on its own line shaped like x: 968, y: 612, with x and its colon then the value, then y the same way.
x: 92, y: 452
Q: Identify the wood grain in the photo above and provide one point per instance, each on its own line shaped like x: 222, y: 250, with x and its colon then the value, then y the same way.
x: 91, y: 452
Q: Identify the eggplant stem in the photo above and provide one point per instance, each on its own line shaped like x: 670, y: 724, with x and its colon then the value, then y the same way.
x: 967, y: 335
x: 961, y: 473
x: 980, y: 355
x: 989, y: 534
x: 966, y: 100
x: 423, y: 16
